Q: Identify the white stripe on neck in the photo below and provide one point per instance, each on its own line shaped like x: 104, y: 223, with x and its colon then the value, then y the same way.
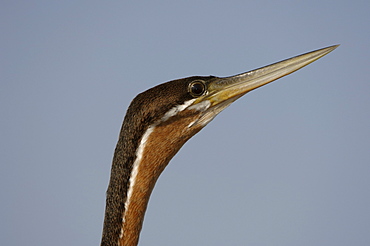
x: 135, y: 169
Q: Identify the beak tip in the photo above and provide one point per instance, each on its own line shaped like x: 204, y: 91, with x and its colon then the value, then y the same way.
x: 333, y: 47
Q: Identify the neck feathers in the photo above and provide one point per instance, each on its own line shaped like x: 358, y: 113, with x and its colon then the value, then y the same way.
x: 138, y: 161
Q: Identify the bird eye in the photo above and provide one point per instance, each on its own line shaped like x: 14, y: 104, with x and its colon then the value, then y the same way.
x: 197, y: 88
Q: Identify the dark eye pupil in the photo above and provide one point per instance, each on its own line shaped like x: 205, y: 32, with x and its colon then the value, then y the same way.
x: 197, y: 89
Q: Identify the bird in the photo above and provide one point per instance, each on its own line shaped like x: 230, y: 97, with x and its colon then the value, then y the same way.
x: 157, y: 124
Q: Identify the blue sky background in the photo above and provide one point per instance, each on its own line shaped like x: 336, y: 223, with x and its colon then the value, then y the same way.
x: 288, y: 164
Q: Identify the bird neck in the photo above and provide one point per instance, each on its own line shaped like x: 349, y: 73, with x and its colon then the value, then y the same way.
x: 133, y: 176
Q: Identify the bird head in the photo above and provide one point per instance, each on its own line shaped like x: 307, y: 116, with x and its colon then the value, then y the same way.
x: 197, y: 100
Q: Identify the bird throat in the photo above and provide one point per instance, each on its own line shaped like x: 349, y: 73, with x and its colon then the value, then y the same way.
x: 160, y: 142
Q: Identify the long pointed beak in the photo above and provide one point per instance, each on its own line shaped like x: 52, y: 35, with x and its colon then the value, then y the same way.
x: 229, y: 89
x: 222, y: 92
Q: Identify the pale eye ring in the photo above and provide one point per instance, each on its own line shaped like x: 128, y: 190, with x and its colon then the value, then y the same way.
x: 197, y: 88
